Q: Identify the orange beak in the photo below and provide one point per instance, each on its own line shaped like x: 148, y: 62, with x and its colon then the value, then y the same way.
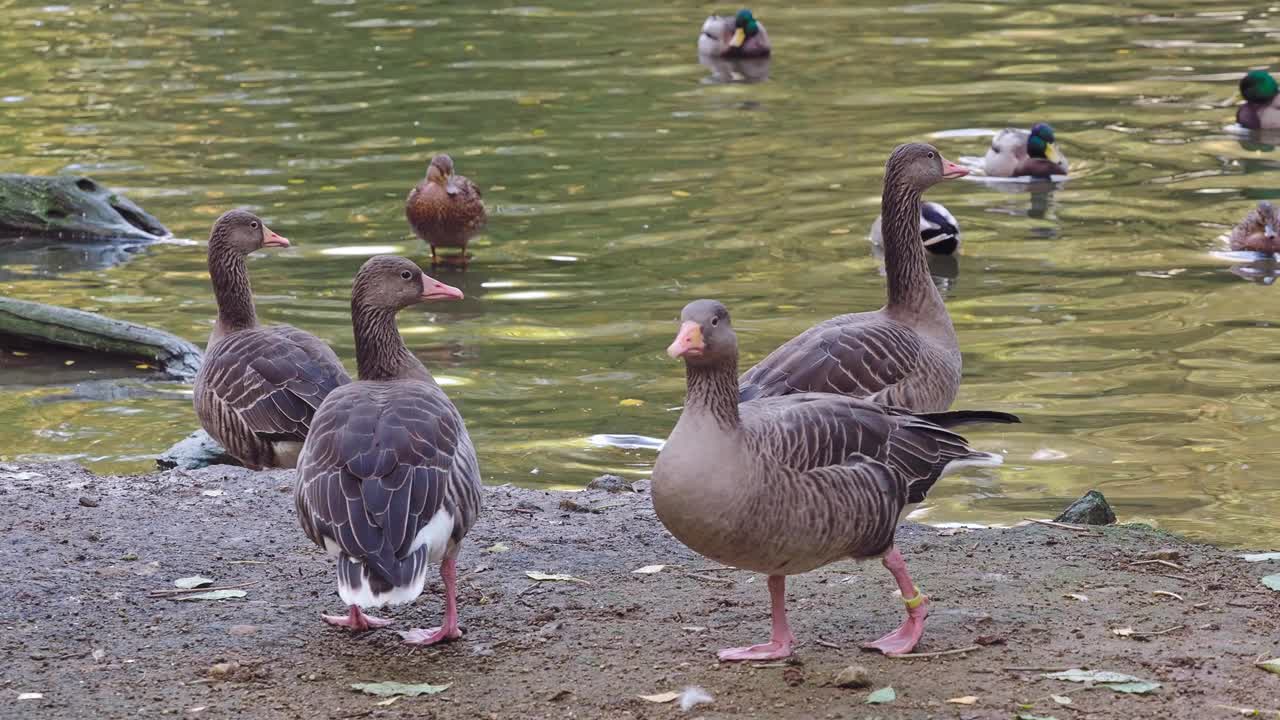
x: 270, y: 239
x: 951, y: 171
x: 433, y: 289
x: 688, y: 341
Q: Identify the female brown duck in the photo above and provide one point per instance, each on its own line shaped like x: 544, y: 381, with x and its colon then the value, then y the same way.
x: 904, y: 354
x: 259, y: 385
x: 388, y: 482
x: 1259, y: 231
x: 445, y: 209
x: 784, y: 485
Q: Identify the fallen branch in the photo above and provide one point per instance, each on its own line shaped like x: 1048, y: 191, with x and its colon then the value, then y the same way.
x: 828, y: 643
x: 1063, y: 526
x: 1157, y: 632
x: 1166, y: 563
x: 1166, y: 593
x: 939, y: 653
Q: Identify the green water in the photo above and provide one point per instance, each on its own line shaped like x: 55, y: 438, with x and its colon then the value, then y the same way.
x: 621, y: 184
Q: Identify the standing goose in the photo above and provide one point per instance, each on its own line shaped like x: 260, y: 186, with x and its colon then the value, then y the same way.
x: 388, y: 482
x: 445, y: 210
x: 904, y: 354
x: 784, y: 485
x: 259, y: 386
x: 1020, y: 153
x: 1261, y: 107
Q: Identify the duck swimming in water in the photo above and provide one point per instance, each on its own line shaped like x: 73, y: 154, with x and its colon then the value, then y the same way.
x: 740, y: 36
x: 1023, y: 153
x: 1260, y: 109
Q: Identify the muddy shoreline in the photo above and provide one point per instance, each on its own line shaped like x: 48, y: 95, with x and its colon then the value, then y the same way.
x: 83, y: 627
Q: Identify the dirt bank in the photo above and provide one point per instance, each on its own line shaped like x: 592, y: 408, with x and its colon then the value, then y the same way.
x: 84, y: 554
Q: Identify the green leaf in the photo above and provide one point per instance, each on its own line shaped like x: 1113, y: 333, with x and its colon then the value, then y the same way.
x: 546, y: 577
x: 882, y: 696
x: 1029, y: 716
x: 214, y: 595
x: 1093, y: 676
x: 1272, y: 581
x: 1261, y: 557
x: 1272, y: 665
x: 1142, y: 687
x: 387, y: 689
x: 1060, y: 699
x: 194, y: 581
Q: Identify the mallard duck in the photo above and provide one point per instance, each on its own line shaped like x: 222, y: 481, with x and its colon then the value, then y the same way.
x: 1260, y: 109
x: 445, y: 209
x: 259, y: 386
x: 939, y: 231
x: 740, y: 36
x: 904, y: 354
x: 388, y: 481
x: 1258, y: 231
x: 1019, y: 153
x: 785, y: 485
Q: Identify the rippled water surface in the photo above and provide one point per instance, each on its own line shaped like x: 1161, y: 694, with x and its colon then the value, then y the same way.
x: 622, y: 183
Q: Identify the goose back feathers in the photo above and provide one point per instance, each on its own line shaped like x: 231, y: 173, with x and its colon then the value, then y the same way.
x: 388, y: 481
x: 259, y: 387
x: 905, y: 354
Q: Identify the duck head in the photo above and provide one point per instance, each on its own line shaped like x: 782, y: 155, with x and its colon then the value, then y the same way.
x: 1041, y: 144
x: 244, y: 232
x: 920, y: 166
x: 706, y: 336
x: 393, y: 283
x: 1264, y: 221
x: 744, y: 26
x: 440, y: 172
x: 1258, y: 87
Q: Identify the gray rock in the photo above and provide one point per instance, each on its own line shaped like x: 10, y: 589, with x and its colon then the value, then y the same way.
x: 1091, y: 509
x: 610, y: 483
x: 195, y: 451
x: 853, y: 676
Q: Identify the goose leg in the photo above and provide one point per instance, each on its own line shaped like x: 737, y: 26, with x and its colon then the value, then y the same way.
x: 449, y: 629
x: 904, y: 639
x: 356, y: 620
x: 780, y: 639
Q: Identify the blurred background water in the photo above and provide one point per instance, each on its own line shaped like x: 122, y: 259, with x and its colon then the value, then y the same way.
x: 622, y: 183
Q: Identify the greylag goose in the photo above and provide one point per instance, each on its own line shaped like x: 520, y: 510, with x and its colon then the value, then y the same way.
x: 1259, y: 231
x: 1019, y: 153
x: 388, y: 481
x: 259, y: 385
x: 740, y: 36
x: 445, y: 210
x: 1260, y: 109
x: 939, y: 230
x: 904, y: 354
x: 784, y: 485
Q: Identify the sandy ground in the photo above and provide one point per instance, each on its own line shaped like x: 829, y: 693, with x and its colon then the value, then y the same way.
x: 84, y: 555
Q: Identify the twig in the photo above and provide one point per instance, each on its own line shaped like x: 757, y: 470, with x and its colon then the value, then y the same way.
x: 211, y: 588
x: 525, y: 591
x: 708, y: 578
x: 1064, y: 526
x: 1166, y: 563
x: 1183, y: 578
x: 1157, y: 632
x: 1166, y: 593
x: 939, y: 653
x: 1039, y: 669
x: 828, y: 643
x: 246, y: 562
x: 717, y: 568
x: 525, y: 511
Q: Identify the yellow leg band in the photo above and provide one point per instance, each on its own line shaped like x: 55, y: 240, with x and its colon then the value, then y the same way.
x: 914, y: 602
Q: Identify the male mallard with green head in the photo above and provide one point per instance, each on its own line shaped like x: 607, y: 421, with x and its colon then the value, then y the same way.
x: 1019, y: 153
x: 445, y: 209
x: 741, y: 36
x: 1260, y: 109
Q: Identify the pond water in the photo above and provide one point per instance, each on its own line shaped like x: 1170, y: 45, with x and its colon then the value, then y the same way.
x: 622, y: 183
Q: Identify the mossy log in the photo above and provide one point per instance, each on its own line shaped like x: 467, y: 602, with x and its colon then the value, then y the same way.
x: 71, y: 207
x: 41, y: 324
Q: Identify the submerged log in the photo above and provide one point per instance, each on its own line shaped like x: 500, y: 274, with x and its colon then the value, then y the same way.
x: 41, y: 324
x: 71, y: 207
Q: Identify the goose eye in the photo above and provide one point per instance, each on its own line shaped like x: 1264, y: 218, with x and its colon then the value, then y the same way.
x: 406, y: 274
x: 254, y: 224
x: 715, y: 321
x: 930, y: 156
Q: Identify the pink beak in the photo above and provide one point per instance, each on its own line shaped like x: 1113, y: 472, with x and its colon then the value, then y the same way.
x: 688, y: 341
x: 270, y: 239
x: 951, y: 171
x: 433, y: 289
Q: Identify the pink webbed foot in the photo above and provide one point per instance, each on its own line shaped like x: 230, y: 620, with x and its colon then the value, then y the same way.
x: 430, y: 636
x: 356, y: 620
x: 767, y: 651
x: 904, y: 639
x: 780, y: 637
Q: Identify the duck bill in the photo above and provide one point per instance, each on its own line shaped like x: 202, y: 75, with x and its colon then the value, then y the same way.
x: 739, y: 37
x: 951, y: 171
x: 1051, y: 153
x: 688, y: 342
x: 270, y: 239
x: 433, y: 289
x: 1269, y: 231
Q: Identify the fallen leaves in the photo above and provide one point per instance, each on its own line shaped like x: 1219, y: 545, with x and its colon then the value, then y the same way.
x: 548, y: 577
x: 195, y: 581
x: 1060, y: 699
x: 883, y: 696
x: 966, y: 700
x: 649, y: 569
x: 497, y: 547
x: 631, y: 402
x: 213, y: 595
x: 1118, y: 682
x: 1272, y: 665
x: 30, y: 696
x: 388, y: 689
x: 665, y: 697
x: 1173, y: 595
x: 1272, y: 581
x: 1261, y: 557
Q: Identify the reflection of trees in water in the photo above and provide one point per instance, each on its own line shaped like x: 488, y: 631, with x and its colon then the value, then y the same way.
x: 28, y: 257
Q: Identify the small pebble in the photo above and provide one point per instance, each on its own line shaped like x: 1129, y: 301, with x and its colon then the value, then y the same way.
x: 853, y: 676
x: 87, y: 501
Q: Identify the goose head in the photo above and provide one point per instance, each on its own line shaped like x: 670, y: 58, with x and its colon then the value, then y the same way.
x: 920, y: 166
x: 389, y: 282
x: 244, y: 233
x: 706, y: 336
